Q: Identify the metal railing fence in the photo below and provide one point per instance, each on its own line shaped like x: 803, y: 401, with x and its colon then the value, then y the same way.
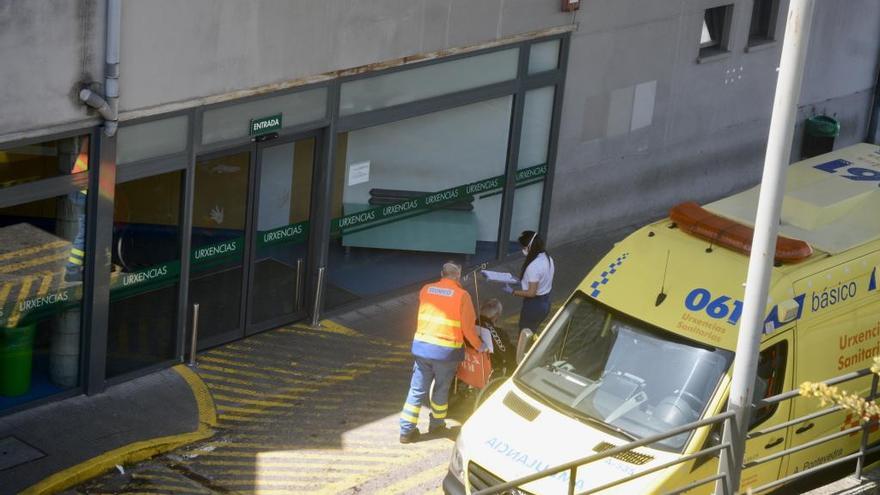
x: 722, y: 475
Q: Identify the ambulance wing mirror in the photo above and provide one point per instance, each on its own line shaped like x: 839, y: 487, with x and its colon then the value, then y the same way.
x: 526, y: 339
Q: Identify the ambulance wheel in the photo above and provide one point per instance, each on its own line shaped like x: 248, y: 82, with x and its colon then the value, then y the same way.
x: 488, y: 389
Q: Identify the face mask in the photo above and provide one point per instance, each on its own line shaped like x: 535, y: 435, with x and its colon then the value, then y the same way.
x: 525, y: 250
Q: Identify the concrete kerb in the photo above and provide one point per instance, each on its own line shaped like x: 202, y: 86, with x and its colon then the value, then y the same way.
x: 137, y: 451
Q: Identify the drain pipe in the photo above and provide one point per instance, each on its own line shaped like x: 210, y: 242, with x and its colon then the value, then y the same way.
x: 108, y: 105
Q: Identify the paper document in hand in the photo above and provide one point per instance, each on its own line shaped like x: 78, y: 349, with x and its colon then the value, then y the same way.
x: 502, y: 277
x: 486, y: 337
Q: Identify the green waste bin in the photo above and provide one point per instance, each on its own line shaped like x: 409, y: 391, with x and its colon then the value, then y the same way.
x: 16, y: 357
x: 820, y: 131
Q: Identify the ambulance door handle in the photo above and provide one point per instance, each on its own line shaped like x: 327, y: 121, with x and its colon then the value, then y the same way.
x: 804, y: 428
x: 774, y: 443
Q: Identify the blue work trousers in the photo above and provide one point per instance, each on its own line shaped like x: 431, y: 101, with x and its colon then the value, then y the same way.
x: 74, y: 266
x: 426, y: 371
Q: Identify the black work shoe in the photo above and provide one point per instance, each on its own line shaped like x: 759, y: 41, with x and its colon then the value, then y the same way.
x: 409, y: 437
x: 437, y: 430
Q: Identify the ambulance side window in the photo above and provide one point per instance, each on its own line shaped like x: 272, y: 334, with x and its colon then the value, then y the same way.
x: 769, y: 380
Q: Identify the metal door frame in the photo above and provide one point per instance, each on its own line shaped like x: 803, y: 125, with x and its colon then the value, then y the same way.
x: 256, y: 164
x: 238, y: 332
x: 255, y: 152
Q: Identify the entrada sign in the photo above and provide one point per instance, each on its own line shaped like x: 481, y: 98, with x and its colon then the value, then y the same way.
x: 265, y: 125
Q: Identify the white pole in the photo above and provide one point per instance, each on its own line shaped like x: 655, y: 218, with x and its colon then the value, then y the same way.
x: 788, y: 89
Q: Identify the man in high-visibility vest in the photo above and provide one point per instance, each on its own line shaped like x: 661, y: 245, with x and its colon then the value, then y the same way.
x: 446, y: 318
x: 73, y: 269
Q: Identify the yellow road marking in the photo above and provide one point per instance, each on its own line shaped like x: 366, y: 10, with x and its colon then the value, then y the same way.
x: 42, y: 260
x: 252, y: 374
x: 264, y: 404
x: 210, y: 377
x: 258, y: 484
x: 224, y: 410
x: 258, y: 393
x: 298, y: 451
x: 171, y: 484
x: 335, y: 464
x: 46, y: 284
x: 435, y: 473
x: 204, y: 401
x: 358, y: 479
x: 285, y: 473
x: 333, y: 327
x: 4, y: 293
x: 294, y: 459
x: 248, y: 366
x: 22, y: 295
x: 31, y: 250
x: 272, y: 400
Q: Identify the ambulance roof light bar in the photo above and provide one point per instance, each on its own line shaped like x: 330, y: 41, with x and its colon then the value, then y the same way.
x: 694, y: 219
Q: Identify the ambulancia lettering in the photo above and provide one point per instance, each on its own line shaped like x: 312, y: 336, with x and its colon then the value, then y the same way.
x: 520, y: 457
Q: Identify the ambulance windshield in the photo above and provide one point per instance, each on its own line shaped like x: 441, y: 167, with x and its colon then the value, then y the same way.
x: 604, y: 367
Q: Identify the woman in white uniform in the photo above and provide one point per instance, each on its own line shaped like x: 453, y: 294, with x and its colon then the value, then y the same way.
x: 536, y: 282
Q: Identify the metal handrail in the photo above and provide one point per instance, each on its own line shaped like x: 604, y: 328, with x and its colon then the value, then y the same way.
x: 858, y: 455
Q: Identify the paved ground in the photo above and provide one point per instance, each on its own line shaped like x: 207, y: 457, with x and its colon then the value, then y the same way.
x: 42, y: 441
x: 304, y: 410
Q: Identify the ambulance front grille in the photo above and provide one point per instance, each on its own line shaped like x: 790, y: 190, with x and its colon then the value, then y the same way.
x: 521, y: 407
x: 629, y: 457
x: 479, y: 478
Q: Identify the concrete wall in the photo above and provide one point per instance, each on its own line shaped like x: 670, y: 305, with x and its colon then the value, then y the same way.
x: 709, y: 124
x: 180, y: 50
x: 205, y: 47
x: 644, y: 126
x: 47, y: 48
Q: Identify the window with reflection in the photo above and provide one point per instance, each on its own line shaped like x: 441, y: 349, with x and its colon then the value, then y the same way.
x: 534, y: 149
x: 415, y: 193
x: 23, y: 164
x: 145, y: 275
x: 42, y: 256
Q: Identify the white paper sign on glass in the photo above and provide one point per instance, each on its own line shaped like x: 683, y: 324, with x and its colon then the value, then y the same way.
x: 358, y: 173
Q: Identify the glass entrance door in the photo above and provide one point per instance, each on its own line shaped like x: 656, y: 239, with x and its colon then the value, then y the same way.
x: 219, y: 225
x: 250, y: 223
x: 281, y: 221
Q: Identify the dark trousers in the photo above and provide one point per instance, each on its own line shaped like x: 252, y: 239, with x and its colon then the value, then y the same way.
x: 533, y: 312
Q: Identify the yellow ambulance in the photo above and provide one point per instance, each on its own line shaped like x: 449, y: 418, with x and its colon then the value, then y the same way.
x: 646, y: 343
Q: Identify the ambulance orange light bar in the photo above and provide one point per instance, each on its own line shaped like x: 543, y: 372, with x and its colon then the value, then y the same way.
x: 693, y: 219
